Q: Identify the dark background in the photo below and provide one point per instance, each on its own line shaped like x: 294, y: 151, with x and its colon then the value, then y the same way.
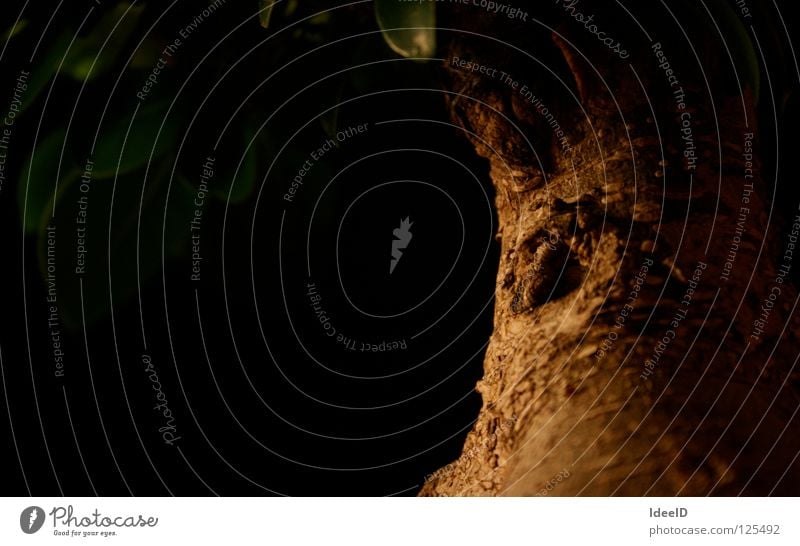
x: 264, y: 402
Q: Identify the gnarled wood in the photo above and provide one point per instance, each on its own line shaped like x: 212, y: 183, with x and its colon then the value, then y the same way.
x: 623, y: 358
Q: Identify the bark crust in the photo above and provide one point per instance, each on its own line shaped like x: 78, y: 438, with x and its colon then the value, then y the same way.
x: 624, y: 358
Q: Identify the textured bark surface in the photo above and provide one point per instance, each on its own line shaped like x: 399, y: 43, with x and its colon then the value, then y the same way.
x: 602, y: 249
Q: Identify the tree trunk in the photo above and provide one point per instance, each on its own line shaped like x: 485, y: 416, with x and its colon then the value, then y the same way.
x: 645, y: 338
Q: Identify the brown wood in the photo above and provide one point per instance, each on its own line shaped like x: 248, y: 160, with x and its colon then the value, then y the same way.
x: 570, y: 406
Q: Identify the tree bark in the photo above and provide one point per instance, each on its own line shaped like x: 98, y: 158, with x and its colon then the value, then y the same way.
x: 628, y: 356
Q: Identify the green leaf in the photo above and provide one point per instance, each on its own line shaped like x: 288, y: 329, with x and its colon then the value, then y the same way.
x: 408, y: 27
x: 740, y: 44
x: 122, y: 230
x: 89, y: 57
x: 139, y: 144
x: 77, y: 63
x: 38, y: 180
x: 736, y: 36
x: 14, y: 30
x: 147, y: 54
x: 45, y: 68
x: 265, y: 13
